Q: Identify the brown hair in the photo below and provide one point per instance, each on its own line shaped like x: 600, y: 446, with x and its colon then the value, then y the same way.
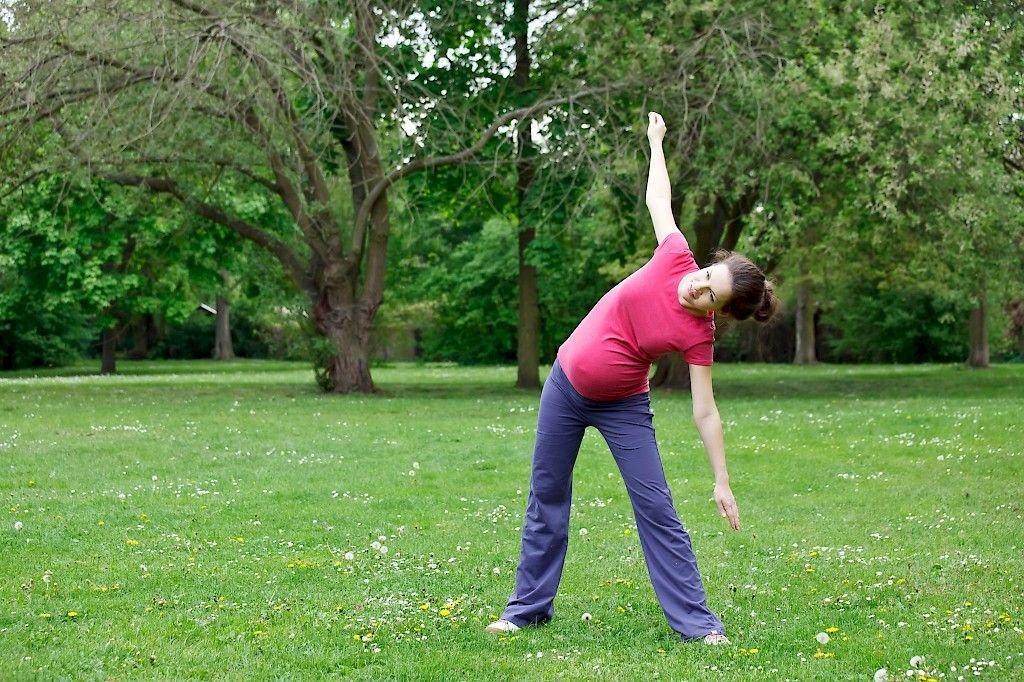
x: 753, y: 294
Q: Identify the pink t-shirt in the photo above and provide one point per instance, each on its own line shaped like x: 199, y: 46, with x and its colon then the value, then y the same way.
x: 609, y: 355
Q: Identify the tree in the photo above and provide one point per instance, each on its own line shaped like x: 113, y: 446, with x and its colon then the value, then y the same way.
x: 302, y: 102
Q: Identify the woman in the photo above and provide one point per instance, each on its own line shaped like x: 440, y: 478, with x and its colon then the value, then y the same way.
x: 600, y: 379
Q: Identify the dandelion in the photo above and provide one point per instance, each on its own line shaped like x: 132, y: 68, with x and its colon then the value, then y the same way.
x: 444, y: 612
x: 18, y: 525
x: 132, y: 543
x: 72, y: 614
x: 822, y: 638
x: 44, y: 615
x: 822, y: 654
x: 583, y: 531
x: 586, y: 618
x: 832, y: 630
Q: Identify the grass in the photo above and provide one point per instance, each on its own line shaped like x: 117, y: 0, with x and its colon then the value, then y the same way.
x: 214, y: 520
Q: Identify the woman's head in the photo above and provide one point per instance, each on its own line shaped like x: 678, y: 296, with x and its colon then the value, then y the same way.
x: 752, y: 294
x: 732, y: 286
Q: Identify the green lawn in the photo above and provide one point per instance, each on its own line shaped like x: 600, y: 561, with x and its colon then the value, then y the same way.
x: 219, y: 520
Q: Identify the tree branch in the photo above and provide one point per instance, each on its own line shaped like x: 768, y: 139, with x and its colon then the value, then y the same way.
x: 215, y: 214
x: 363, y: 214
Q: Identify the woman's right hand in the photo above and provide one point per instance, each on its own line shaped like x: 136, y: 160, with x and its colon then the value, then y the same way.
x: 655, y: 128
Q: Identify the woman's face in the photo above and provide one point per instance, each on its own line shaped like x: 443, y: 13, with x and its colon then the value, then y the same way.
x: 706, y: 289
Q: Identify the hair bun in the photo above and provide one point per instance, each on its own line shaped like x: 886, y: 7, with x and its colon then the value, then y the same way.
x: 769, y: 303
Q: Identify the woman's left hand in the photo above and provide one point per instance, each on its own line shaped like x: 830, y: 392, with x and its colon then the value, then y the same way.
x: 727, y: 504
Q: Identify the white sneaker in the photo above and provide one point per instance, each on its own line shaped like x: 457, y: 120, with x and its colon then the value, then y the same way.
x: 501, y: 626
x: 714, y: 638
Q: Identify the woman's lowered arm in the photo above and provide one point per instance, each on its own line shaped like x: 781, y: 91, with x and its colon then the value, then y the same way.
x: 709, y: 425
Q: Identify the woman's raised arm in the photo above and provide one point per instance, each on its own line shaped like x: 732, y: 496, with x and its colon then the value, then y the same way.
x: 659, y: 191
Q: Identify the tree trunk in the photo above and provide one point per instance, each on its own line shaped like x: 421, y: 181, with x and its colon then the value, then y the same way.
x: 108, y: 363
x: 672, y: 373
x: 978, y: 357
x: 222, y: 346
x: 342, y: 363
x: 140, y: 337
x: 528, y: 341
x: 528, y: 345
x: 805, y: 305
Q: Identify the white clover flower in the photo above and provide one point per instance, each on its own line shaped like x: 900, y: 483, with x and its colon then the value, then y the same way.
x: 349, y: 556
x: 822, y: 638
x: 917, y: 661
x: 583, y: 531
x: 154, y: 477
x: 496, y: 571
x: 383, y: 549
x: 18, y: 525
x: 415, y: 465
x: 375, y: 544
x: 881, y: 675
x: 412, y: 472
x: 586, y: 618
x: 382, y: 538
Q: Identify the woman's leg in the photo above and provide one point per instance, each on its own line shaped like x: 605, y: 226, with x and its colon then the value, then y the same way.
x: 628, y: 427
x: 546, y: 527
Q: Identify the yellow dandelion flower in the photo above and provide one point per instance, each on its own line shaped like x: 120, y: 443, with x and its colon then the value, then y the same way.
x: 831, y: 630
x: 444, y: 612
x: 44, y: 615
x: 72, y: 614
x: 823, y: 654
x: 753, y: 651
x: 356, y: 637
x: 131, y: 542
x: 424, y: 607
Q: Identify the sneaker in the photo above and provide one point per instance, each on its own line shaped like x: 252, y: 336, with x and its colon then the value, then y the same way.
x: 714, y: 638
x: 501, y: 627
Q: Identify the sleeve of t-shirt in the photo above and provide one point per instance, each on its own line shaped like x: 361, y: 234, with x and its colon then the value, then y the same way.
x: 675, y: 243
x: 700, y: 354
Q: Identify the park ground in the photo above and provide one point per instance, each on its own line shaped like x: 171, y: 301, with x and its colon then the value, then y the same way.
x: 227, y: 521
